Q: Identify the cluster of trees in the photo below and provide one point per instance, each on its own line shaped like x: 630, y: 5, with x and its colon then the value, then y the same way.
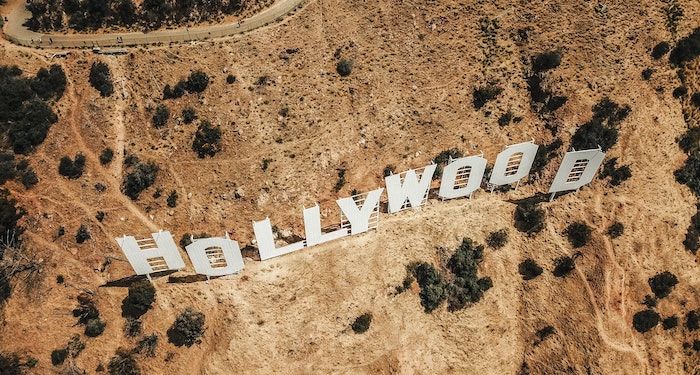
x: 485, y: 94
x: 141, y: 176
x: 617, y: 174
x: 72, y: 168
x: 187, y: 328
x: 461, y: 288
x: 20, y: 170
x: 602, y: 129
x: 101, y: 78
x: 88, y: 315
x: 25, y: 115
x: 543, y: 99
x: 141, y: 296
x: 207, y: 140
x: 197, y: 82
x: 93, y: 14
x: 686, y: 49
x: 529, y: 217
x: 72, y: 349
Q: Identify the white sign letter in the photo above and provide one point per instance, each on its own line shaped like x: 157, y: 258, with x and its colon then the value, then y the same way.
x: 215, y: 256
x: 408, y: 188
x: 266, y: 241
x: 150, y: 255
x: 578, y: 168
x: 513, y: 163
x: 312, y: 228
x: 462, y: 177
x: 359, y: 217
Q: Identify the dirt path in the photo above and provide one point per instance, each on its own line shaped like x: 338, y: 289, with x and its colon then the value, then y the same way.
x: 118, y: 119
x: 15, y: 31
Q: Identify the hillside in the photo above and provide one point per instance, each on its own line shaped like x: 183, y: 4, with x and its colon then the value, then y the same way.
x: 290, y: 123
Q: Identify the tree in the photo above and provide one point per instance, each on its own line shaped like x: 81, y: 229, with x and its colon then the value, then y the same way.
x: 172, y: 199
x: 106, y: 156
x: 49, y: 84
x: 58, y: 356
x: 686, y: 49
x: 662, y: 284
x: 9, y: 364
x: 529, y: 218
x: 101, y: 78
x: 142, y: 176
x: 188, y: 115
x: 160, y: 117
x: 344, y: 67
x: 529, y: 269
x: 123, y: 363
x: 563, y: 265
x: 72, y: 168
x: 497, y: 239
x: 94, y: 327
x: 30, y: 130
x: 126, y: 12
x: 546, y: 61
x: 485, y: 94
x: 83, y: 234
x: 187, y: 328
x: 197, y: 82
x: 660, y: 50
x: 602, y: 130
x: 207, y: 140
x: 616, y: 230
x: 141, y: 296
x: 578, y: 234
x: 361, y: 323
x: 645, y: 320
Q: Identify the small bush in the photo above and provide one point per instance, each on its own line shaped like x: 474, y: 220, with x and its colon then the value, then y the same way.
x: 563, y: 265
x: 645, y: 320
x: 132, y: 327
x: 679, y: 92
x: 141, y: 296
x: 662, y: 284
x: 94, y: 327
x: 361, y: 323
x: 86, y: 309
x: 101, y: 78
x: 695, y: 99
x: 670, y: 322
x: 147, y: 345
x: 58, y: 356
x: 647, y: 73
x: 430, y: 282
x: 497, y: 239
x: 123, y: 363
x: 161, y: 116
x: 72, y: 168
x: 443, y: 158
x: 189, y: 115
x: 616, y: 230
x: 83, y: 234
x: 106, y: 156
x: 9, y: 364
x: 207, y: 140
x: 230, y: 79
x: 529, y: 218
x: 187, y: 328
x: 544, y: 155
x: 141, y: 177
x: 341, y: 180
x: 692, y: 320
x: 172, y: 199
x: 578, y: 234
x: 197, y: 82
x: 545, y: 332
x: 529, y: 269
x: 689, y: 174
x: 546, y: 61
x: 686, y: 49
x: 660, y: 50
x: 344, y: 67
x: 505, y: 119
x: 485, y: 94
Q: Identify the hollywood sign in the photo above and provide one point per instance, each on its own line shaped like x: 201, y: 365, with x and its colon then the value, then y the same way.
x: 219, y: 256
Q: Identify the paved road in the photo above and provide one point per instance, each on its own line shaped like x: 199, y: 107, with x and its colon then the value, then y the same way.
x: 15, y: 32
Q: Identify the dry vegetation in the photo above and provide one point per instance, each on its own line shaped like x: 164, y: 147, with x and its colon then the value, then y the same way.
x: 604, y: 280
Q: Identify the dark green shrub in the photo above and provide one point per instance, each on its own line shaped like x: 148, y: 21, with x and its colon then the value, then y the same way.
x: 141, y: 296
x: 646, y: 73
x: 497, y: 239
x: 123, y: 363
x: 546, y: 61
x: 660, y: 50
x: 100, y: 215
x: 679, y: 92
x: 432, y: 291
x: 362, y: 323
x: 695, y: 99
x: 662, y: 284
x: 188, y: 115
x: 10, y: 364
x: 563, y: 265
x: 58, y: 356
x: 616, y: 230
x: 689, y: 174
x: 83, y: 234
x: 341, y: 180
x: 686, y: 49
x: 187, y: 328
x: 443, y: 158
x: 10, y: 215
x: 30, y: 128
x: 529, y: 269
x: 49, y: 83
x: 161, y: 116
x: 141, y: 177
x: 101, y: 78
x: 545, y: 332
x: 106, y: 156
x: 529, y: 218
x: 207, y: 140
x: 147, y: 345
x: 197, y: 82
x: 344, y: 67
x: 670, y: 322
x: 186, y: 238
x: 578, y: 234
x: 8, y: 169
x: 94, y: 327
x: 645, y: 320
x: 505, y: 119
x: 485, y: 94
x: 72, y: 168
x: 86, y: 309
x: 172, y: 199
x: 602, y: 129
x: 132, y: 327
x: 692, y: 320
x: 230, y: 79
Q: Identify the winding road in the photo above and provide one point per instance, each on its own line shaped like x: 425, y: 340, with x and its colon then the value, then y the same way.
x: 15, y: 32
